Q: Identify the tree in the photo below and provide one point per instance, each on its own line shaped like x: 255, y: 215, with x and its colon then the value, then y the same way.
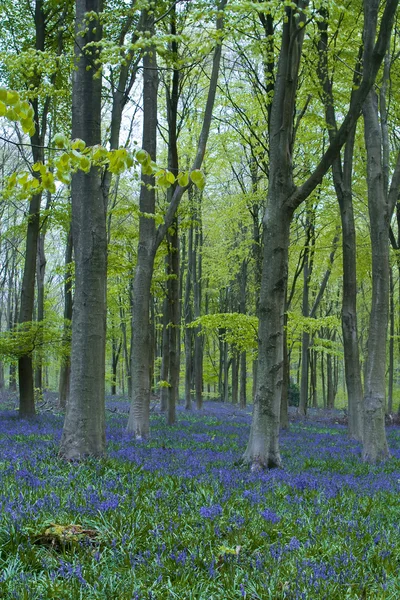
x: 84, y: 426
x: 382, y: 198
x: 283, y: 198
x: 150, y: 238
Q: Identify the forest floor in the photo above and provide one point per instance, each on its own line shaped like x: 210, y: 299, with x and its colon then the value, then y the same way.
x: 179, y: 517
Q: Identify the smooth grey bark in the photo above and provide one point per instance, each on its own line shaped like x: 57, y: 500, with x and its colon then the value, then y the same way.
x: 242, y: 358
x: 41, y: 262
x: 197, y: 301
x: 381, y: 202
x: 188, y: 316
x: 165, y: 355
x: 331, y: 391
x: 40, y: 275
x: 313, y: 379
x: 342, y: 172
x: 139, y: 415
x: 284, y: 408
x: 305, y: 338
x: 375, y: 446
x: 65, y: 367
x: 389, y: 407
x: 84, y: 427
x: 25, y: 363
x: 175, y: 314
x: 283, y: 198
x: 173, y: 261
x: 235, y: 377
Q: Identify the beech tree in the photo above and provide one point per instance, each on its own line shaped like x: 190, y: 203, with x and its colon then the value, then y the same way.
x: 283, y: 198
x: 150, y: 238
x: 84, y: 426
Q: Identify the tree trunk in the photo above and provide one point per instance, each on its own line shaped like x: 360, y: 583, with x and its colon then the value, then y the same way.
x: 284, y: 410
x: 263, y: 445
x: 174, y: 349
x: 84, y: 426
x: 342, y: 178
x: 313, y: 383
x: 188, y: 309
x: 375, y: 446
x: 243, y: 380
x: 305, y: 338
x: 197, y: 299
x: 165, y: 354
x: 149, y: 239
x: 331, y: 388
x: 65, y: 369
x: 139, y: 415
x: 25, y: 364
x: 389, y: 408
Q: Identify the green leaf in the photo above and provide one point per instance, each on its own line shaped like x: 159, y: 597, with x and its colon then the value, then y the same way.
x: 198, y: 179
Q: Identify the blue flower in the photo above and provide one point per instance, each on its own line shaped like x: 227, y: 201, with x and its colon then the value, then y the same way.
x: 211, y: 512
x: 270, y: 515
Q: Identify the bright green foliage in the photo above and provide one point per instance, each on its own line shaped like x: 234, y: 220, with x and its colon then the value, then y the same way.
x: 15, y: 109
x: 239, y: 330
x: 34, y: 336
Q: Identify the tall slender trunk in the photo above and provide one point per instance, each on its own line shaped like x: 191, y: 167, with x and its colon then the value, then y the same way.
x: 330, y: 403
x: 305, y: 338
x: 165, y: 354
x: 40, y: 277
x: 284, y: 409
x: 175, y: 313
x: 263, y: 445
x: 65, y: 368
x: 389, y: 407
x: 84, y: 426
x: 188, y: 311
x: 25, y: 363
x: 375, y: 446
x: 197, y: 299
x: 139, y: 415
x: 149, y: 238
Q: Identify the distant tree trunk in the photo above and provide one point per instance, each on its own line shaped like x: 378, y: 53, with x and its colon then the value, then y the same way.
x: 65, y: 368
x: 331, y: 386
x: 115, y: 354
x: 84, y: 426
x: 173, y: 233
x: 389, y: 407
x: 138, y: 422
x: 242, y: 357
x: 188, y: 313
x: 235, y: 377
x: 12, y: 315
x: 225, y: 397
x: 165, y: 354
x: 221, y: 348
x: 305, y: 337
x: 175, y: 313
x: 314, y: 362
x: 197, y: 299
x: 243, y: 380
x: 284, y: 409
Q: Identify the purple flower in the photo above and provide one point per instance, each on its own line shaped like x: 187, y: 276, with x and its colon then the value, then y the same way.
x: 270, y: 515
x: 211, y: 512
